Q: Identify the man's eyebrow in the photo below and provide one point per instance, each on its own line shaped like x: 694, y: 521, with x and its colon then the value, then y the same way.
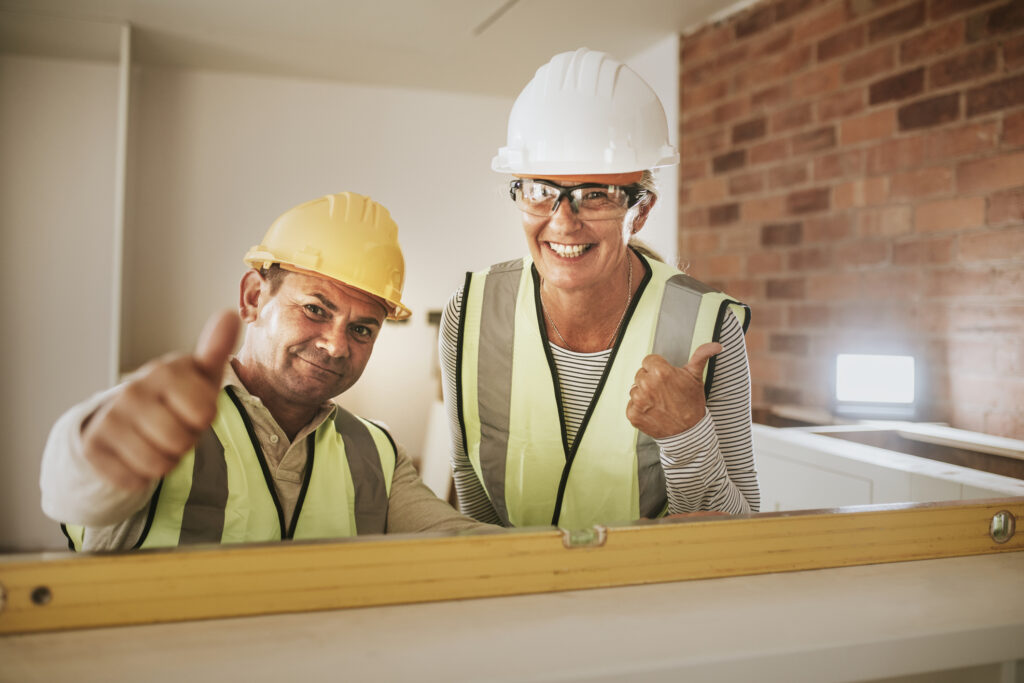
x: 326, y: 302
x: 367, y: 320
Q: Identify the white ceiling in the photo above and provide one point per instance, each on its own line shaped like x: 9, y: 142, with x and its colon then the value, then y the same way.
x: 480, y: 46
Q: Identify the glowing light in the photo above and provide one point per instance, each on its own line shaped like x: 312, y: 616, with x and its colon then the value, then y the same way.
x: 873, y: 378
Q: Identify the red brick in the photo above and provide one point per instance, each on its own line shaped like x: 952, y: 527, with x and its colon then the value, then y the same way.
x: 839, y: 44
x: 729, y: 162
x: 1006, y: 206
x: 940, y: 9
x: 959, y: 282
x: 820, y: 24
x: 704, y: 44
x: 869, y: 64
x: 694, y: 123
x: 861, y: 192
x: 694, y: 218
x: 787, y: 176
x: 817, y: 81
x: 727, y: 111
x: 925, y: 182
x: 769, y: 151
x: 764, y: 209
x: 786, y: 9
x: 859, y: 8
x: 898, y: 87
x: 767, y: 97
x: 723, y: 214
x: 740, y: 238
x: 1013, y: 53
x: 703, y: 144
x: 814, y: 140
x: 1013, y: 129
x: 730, y: 58
x: 746, y: 183
x: 809, y: 201
x: 723, y: 265
x: 839, y: 165
x: 785, y: 64
x: 894, y: 155
x: 755, y: 21
x: 1008, y: 92
x: 701, y: 95
x: 781, y: 396
x: 703, y: 241
x: 771, y: 44
x: 921, y: 252
x: 993, y: 245
x: 781, y: 234
x: 896, y: 22
x: 971, y: 140
x: 793, y: 117
x: 862, y: 253
x: 809, y: 315
x: 966, y: 66
x: 785, y: 288
x: 827, y: 228
x: 841, y: 105
x: 886, y: 221
x: 937, y: 41
x: 882, y: 284
x: 810, y: 258
x: 764, y: 262
x: 950, y: 214
x: 932, y: 111
x: 1002, y: 19
x: 707, y: 191
x: 834, y: 285
x: 796, y: 344
x: 692, y: 169
x: 878, y: 124
x: 995, y: 173
x: 749, y: 130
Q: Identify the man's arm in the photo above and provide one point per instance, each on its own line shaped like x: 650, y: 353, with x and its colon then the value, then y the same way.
x: 413, y: 507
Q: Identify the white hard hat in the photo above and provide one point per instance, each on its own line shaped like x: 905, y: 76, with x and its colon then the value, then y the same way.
x: 585, y: 112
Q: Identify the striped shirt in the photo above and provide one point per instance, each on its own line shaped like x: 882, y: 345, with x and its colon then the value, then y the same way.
x: 708, y: 467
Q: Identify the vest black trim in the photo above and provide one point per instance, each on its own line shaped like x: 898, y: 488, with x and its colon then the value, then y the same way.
x: 263, y: 462
x: 150, y: 515
x: 570, y: 453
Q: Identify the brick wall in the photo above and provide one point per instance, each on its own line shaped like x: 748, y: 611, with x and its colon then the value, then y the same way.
x: 854, y: 170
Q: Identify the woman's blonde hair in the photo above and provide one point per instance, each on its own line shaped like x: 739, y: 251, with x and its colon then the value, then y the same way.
x: 650, y: 188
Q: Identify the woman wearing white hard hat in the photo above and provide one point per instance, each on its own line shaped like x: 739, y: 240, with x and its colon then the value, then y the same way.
x: 587, y: 383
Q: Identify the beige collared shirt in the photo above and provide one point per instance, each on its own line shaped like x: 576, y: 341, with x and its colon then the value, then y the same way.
x: 73, y: 492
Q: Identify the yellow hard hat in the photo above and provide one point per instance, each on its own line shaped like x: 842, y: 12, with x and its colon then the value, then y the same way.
x: 347, y: 237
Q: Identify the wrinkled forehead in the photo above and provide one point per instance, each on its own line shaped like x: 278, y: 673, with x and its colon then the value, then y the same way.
x: 342, y: 289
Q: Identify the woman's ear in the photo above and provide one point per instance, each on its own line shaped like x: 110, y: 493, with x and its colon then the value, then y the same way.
x: 249, y: 290
x: 642, y: 212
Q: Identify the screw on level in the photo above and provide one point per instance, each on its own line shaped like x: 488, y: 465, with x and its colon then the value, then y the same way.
x: 41, y: 595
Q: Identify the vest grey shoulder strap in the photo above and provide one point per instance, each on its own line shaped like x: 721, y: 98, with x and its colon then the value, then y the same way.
x: 371, y: 503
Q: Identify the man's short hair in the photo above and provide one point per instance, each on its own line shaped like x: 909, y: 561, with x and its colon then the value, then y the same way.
x: 274, y: 274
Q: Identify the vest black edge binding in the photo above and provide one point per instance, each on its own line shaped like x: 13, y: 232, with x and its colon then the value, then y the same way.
x: 71, y: 543
x: 306, y: 477
x: 459, y: 340
x: 261, y: 457
x: 571, y: 452
x: 716, y: 335
x: 150, y: 516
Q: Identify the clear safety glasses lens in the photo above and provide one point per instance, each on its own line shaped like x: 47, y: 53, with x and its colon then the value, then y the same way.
x: 589, y: 200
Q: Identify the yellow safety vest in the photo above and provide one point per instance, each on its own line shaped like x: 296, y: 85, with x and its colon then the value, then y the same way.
x: 222, y: 491
x: 508, y: 397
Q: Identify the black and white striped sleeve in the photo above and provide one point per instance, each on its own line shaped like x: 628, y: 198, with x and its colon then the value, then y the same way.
x: 711, y: 465
x: 473, y: 500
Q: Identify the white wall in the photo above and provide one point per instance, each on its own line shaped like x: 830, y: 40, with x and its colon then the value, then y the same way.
x: 659, y: 66
x: 57, y: 127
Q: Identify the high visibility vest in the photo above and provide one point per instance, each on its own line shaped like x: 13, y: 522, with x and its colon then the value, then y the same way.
x: 222, y: 490
x: 508, y: 397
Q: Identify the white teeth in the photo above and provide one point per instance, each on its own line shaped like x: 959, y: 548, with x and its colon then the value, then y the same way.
x: 569, y: 250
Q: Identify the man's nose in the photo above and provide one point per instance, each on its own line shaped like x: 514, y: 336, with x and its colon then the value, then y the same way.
x: 334, y: 340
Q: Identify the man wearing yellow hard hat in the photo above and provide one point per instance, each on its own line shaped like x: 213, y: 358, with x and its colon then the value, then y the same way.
x: 213, y: 448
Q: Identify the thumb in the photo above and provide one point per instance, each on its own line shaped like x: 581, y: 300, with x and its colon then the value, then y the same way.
x: 216, y: 342
x: 700, y: 358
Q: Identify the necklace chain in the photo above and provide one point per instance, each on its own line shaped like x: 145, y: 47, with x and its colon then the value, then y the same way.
x: 629, y: 299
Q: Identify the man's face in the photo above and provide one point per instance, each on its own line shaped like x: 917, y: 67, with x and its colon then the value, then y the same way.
x: 310, y: 340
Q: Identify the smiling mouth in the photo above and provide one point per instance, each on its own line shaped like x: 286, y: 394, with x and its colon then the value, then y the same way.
x: 319, y: 367
x: 569, y: 250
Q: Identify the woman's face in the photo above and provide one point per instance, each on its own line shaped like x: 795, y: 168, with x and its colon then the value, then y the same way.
x: 574, y: 253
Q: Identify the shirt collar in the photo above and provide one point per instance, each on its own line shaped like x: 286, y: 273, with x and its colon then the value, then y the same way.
x: 326, y: 411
